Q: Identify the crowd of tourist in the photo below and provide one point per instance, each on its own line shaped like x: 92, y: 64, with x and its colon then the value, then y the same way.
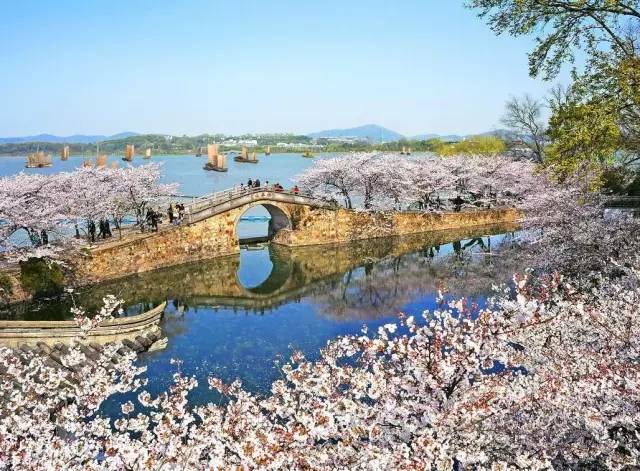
x: 252, y: 184
x: 175, y: 215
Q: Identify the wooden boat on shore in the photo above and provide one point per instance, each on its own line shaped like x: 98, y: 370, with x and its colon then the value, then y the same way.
x: 245, y: 158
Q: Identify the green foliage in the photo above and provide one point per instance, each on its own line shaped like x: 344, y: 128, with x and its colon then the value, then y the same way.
x: 581, y: 134
x: 41, y: 277
x: 634, y: 188
x: 6, y: 287
x: 607, y: 86
x: 561, y: 26
x: 479, y: 145
x: 617, y: 180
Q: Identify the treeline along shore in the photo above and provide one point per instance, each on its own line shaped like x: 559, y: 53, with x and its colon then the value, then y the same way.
x: 180, y: 145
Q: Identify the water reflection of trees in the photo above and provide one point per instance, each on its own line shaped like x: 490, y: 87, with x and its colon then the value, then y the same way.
x: 466, y: 268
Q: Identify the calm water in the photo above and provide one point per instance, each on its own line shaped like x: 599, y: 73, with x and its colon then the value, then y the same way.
x: 236, y: 316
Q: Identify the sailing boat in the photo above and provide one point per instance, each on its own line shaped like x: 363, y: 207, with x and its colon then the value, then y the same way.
x: 147, y: 153
x: 408, y: 150
x: 216, y: 161
x: 32, y: 161
x: 244, y: 157
x: 64, y: 153
x: 129, y: 153
x: 307, y: 154
x: 403, y: 151
x: 268, y: 151
x: 101, y: 160
x: 39, y: 160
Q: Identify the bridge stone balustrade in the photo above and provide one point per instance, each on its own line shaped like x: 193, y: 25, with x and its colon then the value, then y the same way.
x: 209, y: 230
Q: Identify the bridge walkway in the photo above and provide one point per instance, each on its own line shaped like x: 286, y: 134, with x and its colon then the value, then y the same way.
x: 223, y: 201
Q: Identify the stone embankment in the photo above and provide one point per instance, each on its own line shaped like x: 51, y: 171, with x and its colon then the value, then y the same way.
x: 139, y: 333
x: 342, y: 226
x: 306, y: 225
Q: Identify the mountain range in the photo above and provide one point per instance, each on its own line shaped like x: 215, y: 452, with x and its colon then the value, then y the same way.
x: 75, y: 139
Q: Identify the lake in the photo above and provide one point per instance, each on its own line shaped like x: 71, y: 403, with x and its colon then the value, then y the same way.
x: 237, y: 316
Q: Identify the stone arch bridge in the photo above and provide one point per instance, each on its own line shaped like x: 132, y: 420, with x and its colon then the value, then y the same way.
x: 209, y: 230
x: 283, y: 206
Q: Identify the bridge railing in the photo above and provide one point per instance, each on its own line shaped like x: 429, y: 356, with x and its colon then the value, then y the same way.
x: 204, y: 202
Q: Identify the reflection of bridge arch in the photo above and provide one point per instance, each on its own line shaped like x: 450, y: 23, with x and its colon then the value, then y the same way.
x: 280, y: 275
x: 279, y: 217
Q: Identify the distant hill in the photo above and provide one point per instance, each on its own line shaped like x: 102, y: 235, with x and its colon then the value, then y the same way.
x: 371, y: 132
x: 444, y: 137
x: 76, y: 138
x: 501, y: 133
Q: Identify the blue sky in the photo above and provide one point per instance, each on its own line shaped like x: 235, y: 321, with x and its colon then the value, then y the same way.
x: 194, y: 66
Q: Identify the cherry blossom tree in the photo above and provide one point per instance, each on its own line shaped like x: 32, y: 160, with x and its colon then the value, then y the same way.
x: 330, y: 179
x: 389, y: 181
x: 55, y: 203
x: 547, y: 378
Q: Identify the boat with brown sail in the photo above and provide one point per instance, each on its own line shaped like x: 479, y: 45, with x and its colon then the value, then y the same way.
x: 244, y: 156
x: 39, y: 160
x: 129, y: 153
x: 216, y: 161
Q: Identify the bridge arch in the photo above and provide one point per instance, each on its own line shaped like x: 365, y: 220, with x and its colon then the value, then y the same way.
x: 279, y: 215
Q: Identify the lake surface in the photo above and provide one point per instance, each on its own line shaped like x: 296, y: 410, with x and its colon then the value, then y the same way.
x: 237, y: 316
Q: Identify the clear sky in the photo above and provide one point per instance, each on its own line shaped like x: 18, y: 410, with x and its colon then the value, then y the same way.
x: 233, y: 66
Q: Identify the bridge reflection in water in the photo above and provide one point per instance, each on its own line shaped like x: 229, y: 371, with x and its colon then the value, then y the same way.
x: 393, y: 269
x: 363, y: 279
